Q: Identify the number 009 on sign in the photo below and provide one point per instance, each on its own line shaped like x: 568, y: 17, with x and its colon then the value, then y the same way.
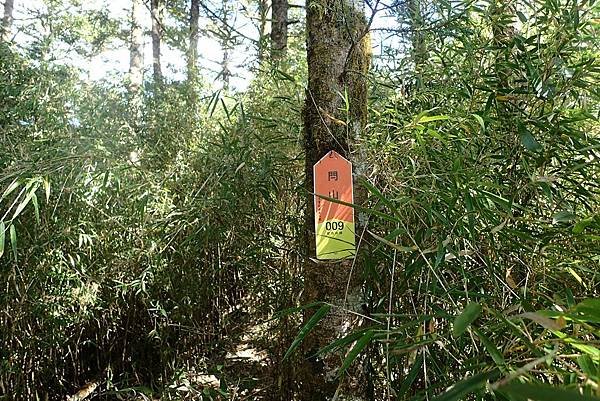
x: 334, y: 222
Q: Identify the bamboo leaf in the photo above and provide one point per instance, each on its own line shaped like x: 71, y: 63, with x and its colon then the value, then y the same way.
x: 529, y: 141
x: 541, y: 320
x: 468, y: 316
x: 479, y: 120
x: 47, y: 189
x: 36, y: 207
x: 563, y: 217
x: 358, y: 347
x: 2, y: 237
x: 13, y: 240
x: 391, y: 244
x: 410, y: 378
x: 10, y: 188
x: 25, y: 202
x: 312, y: 322
x: 544, y: 392
x: 467, y: 386
x: 427, y: 119
x: 491, y: 348
x: 340, y: 342
x: 589, y: 310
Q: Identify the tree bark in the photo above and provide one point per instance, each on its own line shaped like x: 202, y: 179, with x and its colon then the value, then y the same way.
x: 279, y: 28
x: 263, y: 10
x: 136, y: 77
x: 339, y: 55
x: 156, y: 10
x: 192, y: 56
x: 7, y: 20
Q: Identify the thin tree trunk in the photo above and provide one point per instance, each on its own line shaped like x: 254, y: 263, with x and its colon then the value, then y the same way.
x: 339, y: 56
x: 226, y: 39
x: 225, y: 71
x: 156, y: 10
x: 192, y: 56
x: 279, y: 28
x: 7, y: 20
x: 263, y: 9
x: 419, y: 49
x: 136, y: 77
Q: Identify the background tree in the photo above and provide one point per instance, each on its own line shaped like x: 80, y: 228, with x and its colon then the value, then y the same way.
x: 136, y: 58
x: 7, y: 20
x: 156, y: 12
x: 419, y: 47
x: 192, y: 54
x: 263, y: 19
x: 279, y: 28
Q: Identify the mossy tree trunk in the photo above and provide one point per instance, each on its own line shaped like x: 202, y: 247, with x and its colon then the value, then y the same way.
x: 7, y: 19
x: 339, y: 56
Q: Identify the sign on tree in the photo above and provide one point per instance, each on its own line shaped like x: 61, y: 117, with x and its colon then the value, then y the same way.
x: 334, y: 221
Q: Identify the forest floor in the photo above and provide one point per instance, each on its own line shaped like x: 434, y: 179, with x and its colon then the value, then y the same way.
x: 245, y: 368
x: 248, y: 366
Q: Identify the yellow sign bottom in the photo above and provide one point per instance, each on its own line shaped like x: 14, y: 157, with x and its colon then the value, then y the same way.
x: 335, y: 240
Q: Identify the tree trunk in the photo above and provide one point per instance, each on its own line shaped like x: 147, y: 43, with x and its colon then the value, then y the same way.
x: 225, y: 71
x: 419, y: 49
x: 339, y: 55
x: 192, y: 56
x: 226, y: 44
x: 136, y: 77
x: 279, y: 28
x: 263, y: 9
x: 7, y: 19
x: 156, y: 10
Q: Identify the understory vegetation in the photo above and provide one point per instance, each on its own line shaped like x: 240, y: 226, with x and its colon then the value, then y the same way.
x: 140, y: 246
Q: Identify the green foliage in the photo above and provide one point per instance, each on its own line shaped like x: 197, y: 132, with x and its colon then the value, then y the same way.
x: 134, y: 245
x: 486, y: 170
x: 522, y: 391
x: 132, y: 251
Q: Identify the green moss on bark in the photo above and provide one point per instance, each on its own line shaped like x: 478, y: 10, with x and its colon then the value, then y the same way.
x: 339, y: 56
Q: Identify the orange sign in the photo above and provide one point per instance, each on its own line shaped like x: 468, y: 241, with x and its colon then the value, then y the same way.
x: 334, y: 222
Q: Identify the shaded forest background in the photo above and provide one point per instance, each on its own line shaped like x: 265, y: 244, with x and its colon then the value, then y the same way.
x: 149, y: 225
